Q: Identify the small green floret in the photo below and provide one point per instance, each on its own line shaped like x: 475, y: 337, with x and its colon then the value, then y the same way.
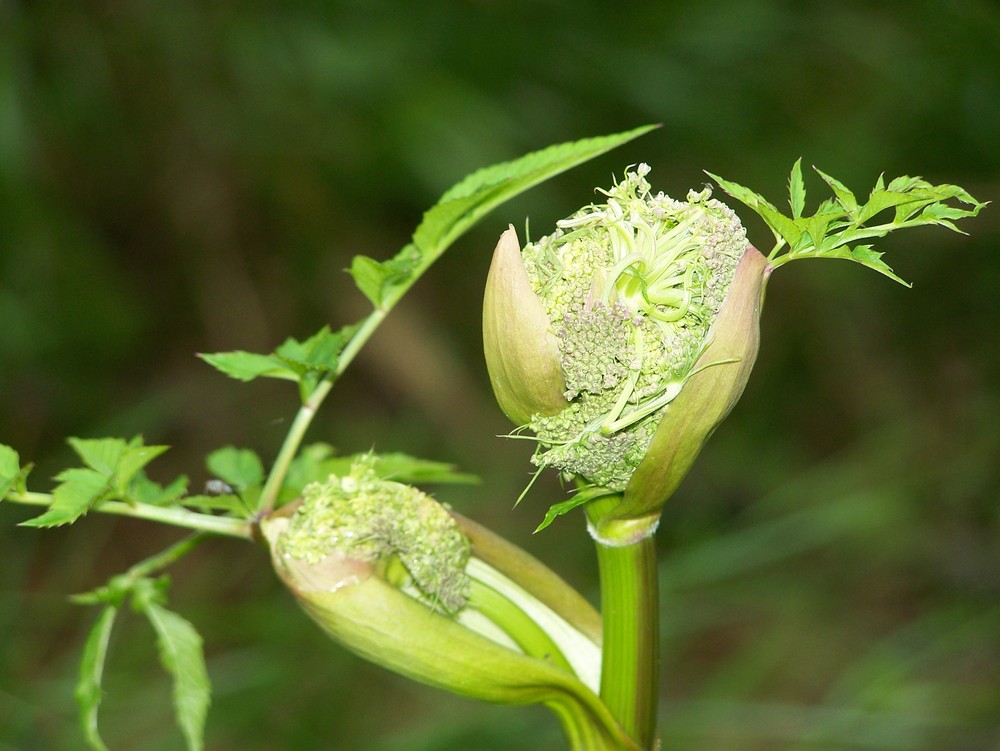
x: 631, y: 287
x: 367, y: 518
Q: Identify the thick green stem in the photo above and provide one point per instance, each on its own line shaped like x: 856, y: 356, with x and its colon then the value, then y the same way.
x: 626, y: 555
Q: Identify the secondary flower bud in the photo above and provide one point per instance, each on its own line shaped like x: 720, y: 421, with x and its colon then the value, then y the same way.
x: 632, y: 292
x: 362, y: 522
x: 384, y: 570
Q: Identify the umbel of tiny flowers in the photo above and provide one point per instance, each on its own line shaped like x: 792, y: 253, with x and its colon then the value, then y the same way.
x: 623, y: 339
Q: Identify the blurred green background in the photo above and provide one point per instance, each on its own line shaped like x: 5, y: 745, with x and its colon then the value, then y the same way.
x: 181, y: 177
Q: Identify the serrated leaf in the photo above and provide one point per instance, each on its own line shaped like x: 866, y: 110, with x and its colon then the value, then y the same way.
x: 796, y: 190
x: 784, y: 228
x: 864, y: 255
x: 144, y: 490
x: 544, y: 160
x: 780, y: 225
x: 88, y: 686
x: 79, y: 490
x: 844, y: 196
x: 374, y: 277
x: 181, y: 654
x: 240, y: 468
x: 134, y: 458
x: 816, y: 226
x: 101, y: 454
x: 943, y: 215
x: 881, y: 200
x: 317, y: 462
x: 905, y: 183
x: 369, y: 276
x: 742, y: 194
x: 246, y: 366
x: 10, y: 469
x: 408, y: 469
x: 317, y: 353
x: 469, y: 200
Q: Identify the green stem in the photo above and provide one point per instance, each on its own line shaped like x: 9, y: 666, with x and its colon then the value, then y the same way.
x: 166, y: 557
x: 514, y: 622
x: 179, y: 517
x: 304, y: 417
x: 626, y: 555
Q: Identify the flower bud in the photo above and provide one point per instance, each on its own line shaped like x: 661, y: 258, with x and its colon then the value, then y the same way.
x: 382, y: 568
x: 633, y: 295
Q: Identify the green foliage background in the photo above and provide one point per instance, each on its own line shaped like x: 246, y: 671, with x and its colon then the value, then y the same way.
x: 182, y: 177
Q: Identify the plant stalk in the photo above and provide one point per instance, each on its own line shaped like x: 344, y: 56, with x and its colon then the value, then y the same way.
x: 226, y: 526
x: 626, y: 556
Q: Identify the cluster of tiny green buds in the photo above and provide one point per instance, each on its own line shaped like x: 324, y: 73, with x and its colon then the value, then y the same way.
x: 366, y: 519
x: 630, y: 289
x: 391, y: 575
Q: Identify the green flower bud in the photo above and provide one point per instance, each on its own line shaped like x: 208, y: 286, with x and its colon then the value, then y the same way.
x: 632, y: 291
x: 389, y: 574
x: 378, y: 523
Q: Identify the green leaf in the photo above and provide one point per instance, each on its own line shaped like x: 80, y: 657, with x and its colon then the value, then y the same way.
x: 181, y: 654
x: 240, y: 468
x: 880, y: 200
x: 246, y: 366
x: 408, y: 469
x: 480, y: 192
x: 318, y: 461
x: 844, y: 196
x: 815, y: 226
x: 838, y: 226
x: 796, y: 190
x: 144, y: 490
x: 10, y: 469
x: 88, y: 686
x: 317, y: 353
x: 369, y: 276
x: 373, y: 277
x: 558, y: 509
x: 101, y: 454
x: 783, y: 228
x: 79, y: 490
x: 134, y: 458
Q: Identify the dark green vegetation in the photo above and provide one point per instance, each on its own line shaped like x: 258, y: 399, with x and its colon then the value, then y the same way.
x: 176, y: 181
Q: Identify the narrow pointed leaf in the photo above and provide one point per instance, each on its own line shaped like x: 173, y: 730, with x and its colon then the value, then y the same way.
x: 79, y: 490
x: 132, y: 461
x: 844, y: 196
x: 180, y: 649
x: 796, y: 190
x: 246, y: 366
x: 469, y: 200
x: 88, y: 687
